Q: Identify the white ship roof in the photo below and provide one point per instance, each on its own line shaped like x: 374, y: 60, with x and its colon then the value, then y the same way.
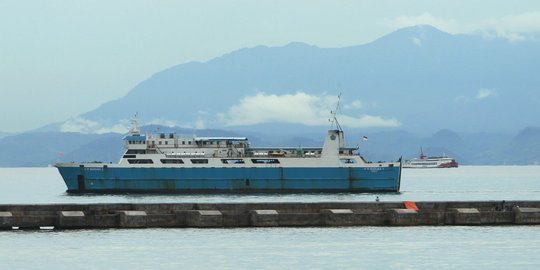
x: 221, y: 138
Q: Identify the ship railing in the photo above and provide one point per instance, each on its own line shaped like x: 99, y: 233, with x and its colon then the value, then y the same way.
x: 181, y: 155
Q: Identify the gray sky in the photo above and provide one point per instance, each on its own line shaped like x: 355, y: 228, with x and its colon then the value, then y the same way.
x: 59, y: 59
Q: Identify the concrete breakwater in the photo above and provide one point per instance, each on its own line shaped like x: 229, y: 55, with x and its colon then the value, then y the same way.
x: 227, y: 215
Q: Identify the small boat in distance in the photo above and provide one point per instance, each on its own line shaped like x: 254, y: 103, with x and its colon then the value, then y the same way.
x: 430, y: 162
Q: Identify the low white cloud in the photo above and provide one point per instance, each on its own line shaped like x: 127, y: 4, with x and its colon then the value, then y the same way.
x: 355, y: 104
x: 514, y: 27
x: 261, y: 108
x: 82, y: 125
x: 297, y: 108
x: 199, y: 123
x: 481, y: 94
x: 366, y: 121
x: 485, y: 93
x: 300, y: 108
x: 449, y: 26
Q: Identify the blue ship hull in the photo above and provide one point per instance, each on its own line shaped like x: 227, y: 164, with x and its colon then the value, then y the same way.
x: 229, y: 180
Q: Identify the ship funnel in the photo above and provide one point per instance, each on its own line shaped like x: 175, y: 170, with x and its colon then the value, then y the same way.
x: 333, y: 142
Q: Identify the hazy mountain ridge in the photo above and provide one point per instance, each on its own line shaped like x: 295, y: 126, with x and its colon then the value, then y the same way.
x: 4, y: 134
x: 524, y: 147
x: 425, y: 78
x: 42, y: 148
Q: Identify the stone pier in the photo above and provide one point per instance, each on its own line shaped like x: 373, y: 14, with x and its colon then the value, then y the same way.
x: 227, y: 215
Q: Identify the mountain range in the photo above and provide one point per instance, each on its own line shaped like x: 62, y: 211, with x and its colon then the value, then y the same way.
x: 470, y: 96
x: 423, y: 78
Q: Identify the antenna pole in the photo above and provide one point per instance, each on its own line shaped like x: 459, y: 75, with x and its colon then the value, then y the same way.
x: 135, y: 125
x: 334, y: 115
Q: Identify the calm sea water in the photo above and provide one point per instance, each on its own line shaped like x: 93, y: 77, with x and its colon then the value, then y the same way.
x: 450, y: 247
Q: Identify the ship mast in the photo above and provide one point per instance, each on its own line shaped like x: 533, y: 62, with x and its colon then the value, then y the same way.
x: 334, y: 119
x: 135, y: 126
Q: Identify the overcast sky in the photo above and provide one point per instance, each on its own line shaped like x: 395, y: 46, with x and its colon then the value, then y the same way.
x: 59, y: 59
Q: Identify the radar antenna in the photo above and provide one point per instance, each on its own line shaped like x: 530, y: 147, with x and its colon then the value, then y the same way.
x: 334, y: 120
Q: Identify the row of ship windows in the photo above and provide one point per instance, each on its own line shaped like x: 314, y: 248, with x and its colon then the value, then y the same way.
x: 224, y: 161
x: 153, y: 142
x: 308, y: 153
x: 167, y: 142
x: 204, y: 161
x: 423, y: 163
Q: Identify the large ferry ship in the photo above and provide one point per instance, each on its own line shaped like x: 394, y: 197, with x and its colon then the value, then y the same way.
x: 430, y: 162
x: 168, y: 163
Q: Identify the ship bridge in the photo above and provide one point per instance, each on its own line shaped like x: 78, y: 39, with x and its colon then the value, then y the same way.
x: 136, y: 141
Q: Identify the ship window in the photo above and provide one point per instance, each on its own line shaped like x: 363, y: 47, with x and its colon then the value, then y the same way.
x: 189, y: 142
x: 159, y: 142
x: 130, y: 156
x: 199, y: 161
x: 172, y: 161
x: 265, y: 160
x: 347, y: 160
x: 140, y: 161
x: 171, y: 136
x: 232, y: 161
x: 136, y: 151
x: 166, y: 142
x: 162, y: 136
x: 183, y: 142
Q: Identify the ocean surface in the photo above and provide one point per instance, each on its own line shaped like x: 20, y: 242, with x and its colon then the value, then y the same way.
x: 424, y: 247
